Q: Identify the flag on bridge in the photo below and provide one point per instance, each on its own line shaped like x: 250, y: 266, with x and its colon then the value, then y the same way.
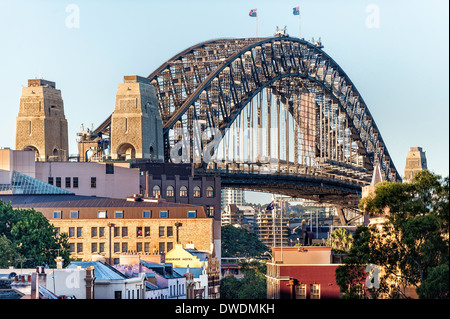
x: 296, y: 11
x: 252, y: 13
x: 270, y: 206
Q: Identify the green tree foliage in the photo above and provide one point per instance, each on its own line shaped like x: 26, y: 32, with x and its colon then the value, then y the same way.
x: 252, y: 286
x: 8, y: 253
x: 340, y: 240
x: 29, y: 236
x: 413, y: 243
x: 238, y: 242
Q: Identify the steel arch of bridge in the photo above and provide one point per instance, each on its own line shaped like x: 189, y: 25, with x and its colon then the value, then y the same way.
x: 215, y: 80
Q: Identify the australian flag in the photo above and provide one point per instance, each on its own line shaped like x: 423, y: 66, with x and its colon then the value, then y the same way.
x: 252, y: 13
x: 296, y: 11
x: 270, y: 206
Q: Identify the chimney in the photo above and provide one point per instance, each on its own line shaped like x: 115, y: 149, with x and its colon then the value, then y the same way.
x: 59, y: 262
x: 35, y: 285
x: 90, y: 278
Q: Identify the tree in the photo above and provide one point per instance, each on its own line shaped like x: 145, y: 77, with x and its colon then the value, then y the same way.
x: 341, y: 240
x: 239, y: 242
x: 8, y: 253
x: 252, y: 286
x: 412, y: 243
x: 30, y: 235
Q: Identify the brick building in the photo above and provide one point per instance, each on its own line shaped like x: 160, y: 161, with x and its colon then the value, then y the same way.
x: 108, y: 226
x: 302, y: 273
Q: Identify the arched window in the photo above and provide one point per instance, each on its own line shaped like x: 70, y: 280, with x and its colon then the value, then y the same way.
x: 156, y: 191
x: 183, y: 191
x: 197, y: 191
x: 170, y: 191
x: 210, y: 191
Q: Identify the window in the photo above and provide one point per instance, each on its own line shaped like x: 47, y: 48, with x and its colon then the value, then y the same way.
x: 79, y: 231
x: 315, y: 291
x: 94, y: 247
x: 300, y: 291
x: 210, y: 210
x: 210, y: 191
x: 146, y: 214
x: 163, y: 214
x: 101, y: 231
x: 79, y: 247
x: 124, y: 247
x: 102, y: 214
x: 147, y: 231
x: 72, y: 247
x: 139, y: 247
x: 169, y: 246
x: 50, y: 180
x: 192, y: 214
x: 147, y: 247
x: 118, y: 214
x: 117, y: 294
x: 170, y: 191
x: 93, y: 182
x: 57, y: 214
x: 58, y: 182
x: 138, y: 231
x: 124, y: 231
x: 74, y: 214
x: 183, y: 191
x: 94, y: 232
x: 197, y: 191
x: 161, y: 248
x: 109, y: 168
x: 102, y: 248
x: 116, y: 231
x: 169, y: 231
x: 67, y: 182
x: 161, y: 231
x: 116, y: 247
x: 71, y: 231
x: 75, y: 182
x: 156, y: 191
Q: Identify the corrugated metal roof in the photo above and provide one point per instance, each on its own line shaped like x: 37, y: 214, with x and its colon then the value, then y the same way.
x: 195, y: 271
x: 37, y: 201
x: 101, y: 270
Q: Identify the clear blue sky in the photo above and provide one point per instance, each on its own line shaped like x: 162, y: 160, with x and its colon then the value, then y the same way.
x: 400, y: 67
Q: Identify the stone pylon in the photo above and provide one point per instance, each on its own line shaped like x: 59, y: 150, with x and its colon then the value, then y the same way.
x: 415, y: 161
x: 41, y: 125
x: 136, y: 124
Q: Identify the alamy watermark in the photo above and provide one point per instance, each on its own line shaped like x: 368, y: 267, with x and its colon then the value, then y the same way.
x: 373, y: 19
x: 373, y: 278
x: 73, y: 19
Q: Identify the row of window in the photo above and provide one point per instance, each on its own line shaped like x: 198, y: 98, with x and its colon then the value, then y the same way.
x: 120, y: 214
x: 170, y: 191
x: 314, y: 292
x: 122, y: 247
x: 118, y: 231
x: 70, y: 182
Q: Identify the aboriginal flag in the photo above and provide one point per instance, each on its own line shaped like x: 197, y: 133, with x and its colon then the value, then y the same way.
x: 296, y: 11
x: 252, y: 13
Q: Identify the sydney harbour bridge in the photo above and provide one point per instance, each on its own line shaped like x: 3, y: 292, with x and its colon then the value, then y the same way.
x: 274, y: 114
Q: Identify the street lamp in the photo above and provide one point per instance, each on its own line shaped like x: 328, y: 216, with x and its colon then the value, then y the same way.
x: 177, y: 225
x: 110, y: 225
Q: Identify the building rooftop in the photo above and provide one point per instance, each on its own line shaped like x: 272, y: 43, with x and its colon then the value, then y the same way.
x: 62, y: 201
x: 101, y: 270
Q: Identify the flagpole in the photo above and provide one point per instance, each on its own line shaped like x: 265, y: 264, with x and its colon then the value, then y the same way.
x: 256, y: 24
x: 299, y: 26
